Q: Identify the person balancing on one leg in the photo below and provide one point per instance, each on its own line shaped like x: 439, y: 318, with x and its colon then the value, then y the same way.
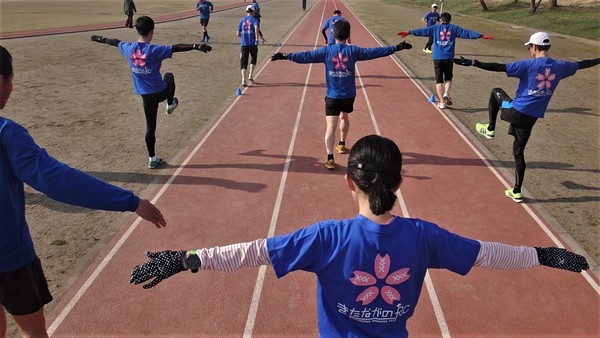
x: 538, y: 79
x: 339, y: 60
x: 145, y: 60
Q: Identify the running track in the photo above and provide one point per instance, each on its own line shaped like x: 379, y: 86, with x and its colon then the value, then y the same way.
x: 262, y: 175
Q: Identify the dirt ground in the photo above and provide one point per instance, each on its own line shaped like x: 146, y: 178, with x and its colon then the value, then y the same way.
x: 76, y: 99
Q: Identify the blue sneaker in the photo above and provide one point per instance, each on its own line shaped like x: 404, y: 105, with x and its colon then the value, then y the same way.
x: 207, y: 38
x: 203, y: 40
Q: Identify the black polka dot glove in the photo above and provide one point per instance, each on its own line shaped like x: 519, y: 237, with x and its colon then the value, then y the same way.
x: 561, y: 259
x: 162, y: 265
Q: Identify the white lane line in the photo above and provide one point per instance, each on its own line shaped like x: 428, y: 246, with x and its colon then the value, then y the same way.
x: 258, y: 286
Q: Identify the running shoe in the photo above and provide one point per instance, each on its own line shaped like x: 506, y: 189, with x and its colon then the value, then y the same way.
x: 330, y: 164
x: 424, y: 50
x: 341, y: 149
x: 207, y: 38
x: 244, y: 83
x: 483, y: 130
x: 516, y: 196
x: 171, y: 107
x: 441, y: 105
x: 251, y: 78
x: 429, y: 51
x: 203, y: 40
x: 154, y: 162
x: 447, y: 100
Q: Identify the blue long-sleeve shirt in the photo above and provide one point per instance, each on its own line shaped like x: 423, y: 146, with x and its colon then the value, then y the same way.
x: 23, y: 161
x: 339, y: 60
x: 444, y: 36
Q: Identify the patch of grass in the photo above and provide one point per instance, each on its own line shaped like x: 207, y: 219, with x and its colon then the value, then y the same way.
x: 571, y: 20
x: 59, y: 242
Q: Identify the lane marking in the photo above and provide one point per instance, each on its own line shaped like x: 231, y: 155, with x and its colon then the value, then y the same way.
x: 251, y: 320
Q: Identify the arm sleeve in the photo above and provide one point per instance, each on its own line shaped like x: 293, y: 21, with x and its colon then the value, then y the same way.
x: 501, y: 256
x: 112, y: 42
x: 182, y: 47
x: 373, y: 53
x: 313, y: 56
x: 60, y: 182
x: 491, y: 66
x: 232, y: 257
x: 587, y: 63
x: 324, y: 30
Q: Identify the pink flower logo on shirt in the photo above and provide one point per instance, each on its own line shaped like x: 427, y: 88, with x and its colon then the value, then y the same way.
x: 445, y: 35
x: 247, y: 25
x: 339, y: 62
x: 382, y: 269
x: 545, y: 79
x: 139, y: 59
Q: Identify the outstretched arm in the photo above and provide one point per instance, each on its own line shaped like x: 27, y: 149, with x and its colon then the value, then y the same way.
x: 506, y: 257
x: 182, y: 47
x: 491, y: 66
x: 229, y: 258
x: 101, y: 39
x: 587, y: 63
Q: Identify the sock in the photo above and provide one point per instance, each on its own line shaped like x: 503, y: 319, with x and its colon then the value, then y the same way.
x: 342, y: 143
x: 329, y: 157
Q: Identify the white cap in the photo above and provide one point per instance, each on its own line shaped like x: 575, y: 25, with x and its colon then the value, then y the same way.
x: 433, y: 5
x: 249, y: 8
x: 540, y: 39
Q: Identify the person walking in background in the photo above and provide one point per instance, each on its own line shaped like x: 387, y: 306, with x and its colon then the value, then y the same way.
x: 257, y: 15
x: 366, y: 266
x: 444, y: 37
x: 538, y: 79
x: 204, y: 7
x: 129, y: 8
x: 248, y: 31
x: 339, y: 59
x: 145, y: 60
x: 430, y: 19
x: 23, y: 286
x: 327, y: 30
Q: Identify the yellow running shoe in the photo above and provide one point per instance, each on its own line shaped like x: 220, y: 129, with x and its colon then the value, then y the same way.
x: 330, y: 164
x: 341, y: 149
x: 517, y: 197
x: 483, y: 130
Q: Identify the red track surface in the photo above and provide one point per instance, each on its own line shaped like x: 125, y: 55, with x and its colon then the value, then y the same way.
x: 258, y: 171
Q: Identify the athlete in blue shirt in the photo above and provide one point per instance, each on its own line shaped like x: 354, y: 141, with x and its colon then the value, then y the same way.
x: 204, y: 7
x: 145, y: 60
x: 257, y: 15
x: 248, y: 31
x: 339, y: 60
x: 538, y: 79
x: 327, y: 30
x: 370, y: 268
x: 23, y: 287
x: 444, y: 36
x: 430, y: 19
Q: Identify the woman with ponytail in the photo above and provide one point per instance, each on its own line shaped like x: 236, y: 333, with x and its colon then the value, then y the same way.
x: 370, y: 269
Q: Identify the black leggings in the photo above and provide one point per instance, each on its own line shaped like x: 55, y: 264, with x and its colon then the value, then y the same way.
x: 151, y: 102
x: 429, y: 43
x: 520, y: 130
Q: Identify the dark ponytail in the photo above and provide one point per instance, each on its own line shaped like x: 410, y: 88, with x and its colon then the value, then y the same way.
x: 374, y: 165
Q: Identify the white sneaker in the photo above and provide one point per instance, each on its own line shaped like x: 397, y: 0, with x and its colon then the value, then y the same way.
x: 244, y: 83
x: 250, y: 78
x: 171, y: 108
x: 441, y: 105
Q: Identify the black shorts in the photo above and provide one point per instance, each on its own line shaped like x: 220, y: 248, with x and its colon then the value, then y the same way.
x: 333, y: 107
x: 25, y: 290
x: 203, y: 22
x: 443, y: 70
x: 248, y: 52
